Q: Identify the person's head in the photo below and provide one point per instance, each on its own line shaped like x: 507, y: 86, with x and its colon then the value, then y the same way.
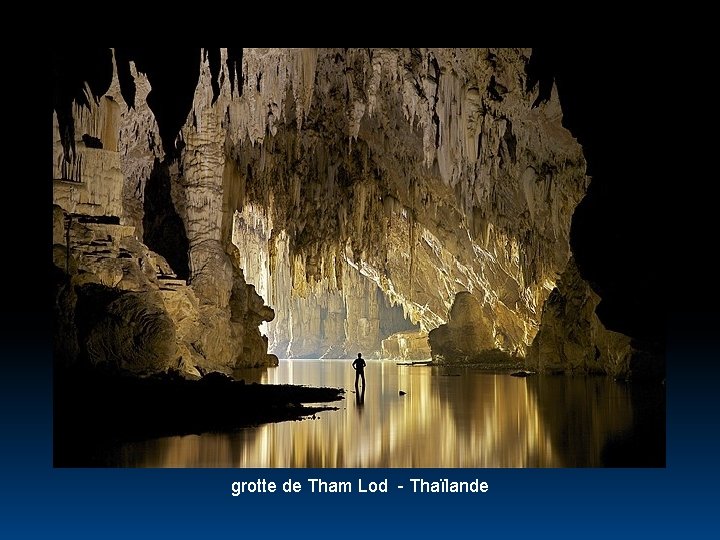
x: 359, y: 355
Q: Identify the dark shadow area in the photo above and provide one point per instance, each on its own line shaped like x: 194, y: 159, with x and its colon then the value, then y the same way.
x: 163, y: 229
x: 95, y: 411
x: 72, y: 67
x: 643, y: 445
x: 618, y: 226
x: 234, y: 64
x: 213, y: 58
x: 92, y: 142
x: 598, y: 422
x: 540, y: 71
x: 173, y: 74
x: 92, y: 302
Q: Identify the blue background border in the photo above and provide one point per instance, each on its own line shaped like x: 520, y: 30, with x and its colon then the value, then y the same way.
x: 38, y: 501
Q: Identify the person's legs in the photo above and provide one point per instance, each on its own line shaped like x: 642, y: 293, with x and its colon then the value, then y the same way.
x: 362, y: 374
x: 357, y: 376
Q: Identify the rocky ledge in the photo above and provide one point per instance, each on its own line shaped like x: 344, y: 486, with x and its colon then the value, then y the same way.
x: 119, y: 305
x: 95, y: 410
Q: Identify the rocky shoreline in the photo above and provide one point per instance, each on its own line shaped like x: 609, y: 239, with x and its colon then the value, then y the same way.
x: 95, y: 411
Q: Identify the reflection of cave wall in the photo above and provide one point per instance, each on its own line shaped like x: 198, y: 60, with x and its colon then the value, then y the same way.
x: 633, y: 413
x: 594, y: 404
x: 554, y: 412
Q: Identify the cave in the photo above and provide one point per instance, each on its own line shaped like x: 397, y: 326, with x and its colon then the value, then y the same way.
x: 237, y: 211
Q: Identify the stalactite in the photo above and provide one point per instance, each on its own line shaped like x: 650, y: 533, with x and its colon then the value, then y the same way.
x: 315, y: 149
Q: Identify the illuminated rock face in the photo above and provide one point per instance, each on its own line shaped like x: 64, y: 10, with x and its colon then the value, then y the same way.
x: 419, y: 173
x: 406, y: 346
x: 145, y: 317
x: 331, y: 318
x: 120, y: 306
x: 428, y: 170
x: 466, y: 333
x: 572, y: 338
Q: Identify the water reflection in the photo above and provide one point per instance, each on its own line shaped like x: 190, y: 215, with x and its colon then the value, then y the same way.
x: 448, y: 418
x: 360, y: 399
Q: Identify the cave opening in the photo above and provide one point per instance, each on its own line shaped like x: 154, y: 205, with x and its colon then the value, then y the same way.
x: 411, y: 204
x: 352, y: 159
x: 319, y: 319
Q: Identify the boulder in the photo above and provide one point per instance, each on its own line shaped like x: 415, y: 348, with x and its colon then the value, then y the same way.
x: 572, y: 338
x: 467, y: 333
x: 133, y: 334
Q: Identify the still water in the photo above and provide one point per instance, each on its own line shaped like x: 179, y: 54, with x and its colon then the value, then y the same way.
x: 449, y: 417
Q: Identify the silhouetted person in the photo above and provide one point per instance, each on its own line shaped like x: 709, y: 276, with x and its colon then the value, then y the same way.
x: 359, y: 366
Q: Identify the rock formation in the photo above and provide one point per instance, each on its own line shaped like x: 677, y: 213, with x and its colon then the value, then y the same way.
x: 406, y: 346
x: 427, y: 170
x: 466, y: 333
x: 572, y: 337
x: 334, y: 318
x: 120, y: 304
x: 361, y: 193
